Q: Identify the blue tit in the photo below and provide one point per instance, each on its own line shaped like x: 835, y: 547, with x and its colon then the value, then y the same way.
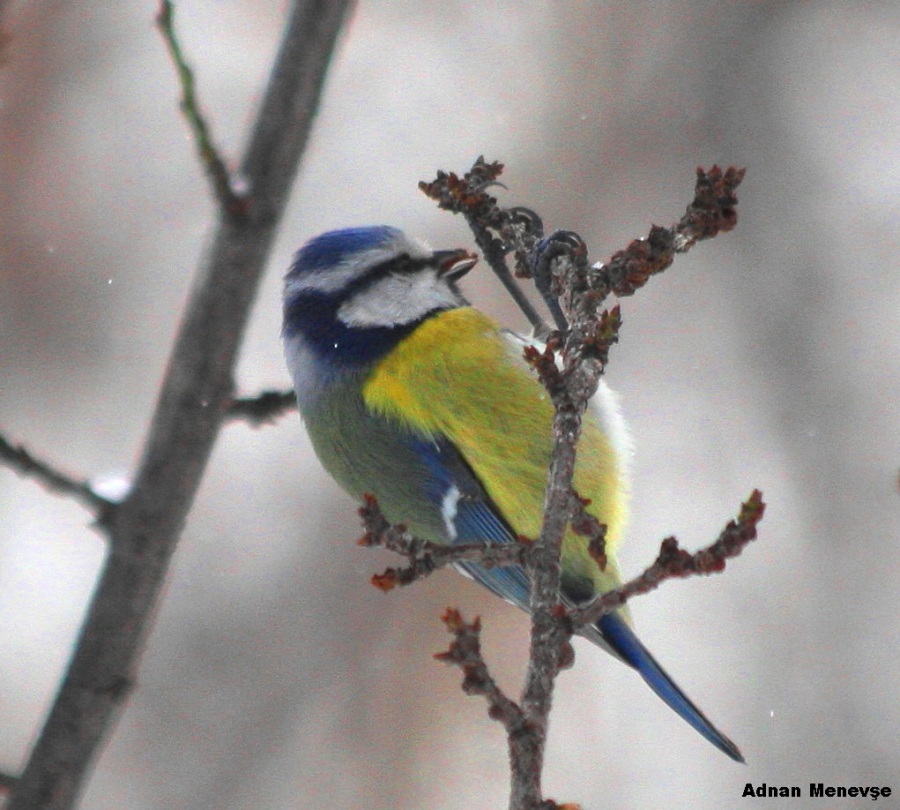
x: 411, y: 394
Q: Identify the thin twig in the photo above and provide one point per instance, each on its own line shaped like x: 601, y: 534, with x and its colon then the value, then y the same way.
x: 585, y: 525
x: 196, y: 393
x: 467, y: 195
x: 20, y: 460
x: 712, y: 211
x: 465, y: 653
x: 674, y: 562
x: 262, y: 409
x: 424, y: 556
x: 213, y: 163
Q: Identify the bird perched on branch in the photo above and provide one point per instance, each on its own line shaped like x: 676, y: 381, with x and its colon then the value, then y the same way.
x: 412, y: 395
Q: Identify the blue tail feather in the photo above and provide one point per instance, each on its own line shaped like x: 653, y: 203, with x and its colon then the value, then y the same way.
x: 623, y: 640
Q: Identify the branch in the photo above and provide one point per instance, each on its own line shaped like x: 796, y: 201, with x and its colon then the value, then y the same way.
x: 20, y: 460
x: 575, y: 293
x: 467, y: 195
x: 424, y: 556
x: 263, y: 408
x: 570, y: 390
x: 525, y: 742
x: 676, y: 562
x: 213, y: 163
x: 196, y: 393
x: 465, y: 652
x: 711, y: 212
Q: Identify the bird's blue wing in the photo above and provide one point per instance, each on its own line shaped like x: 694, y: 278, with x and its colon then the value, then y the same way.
x: 470, y: 516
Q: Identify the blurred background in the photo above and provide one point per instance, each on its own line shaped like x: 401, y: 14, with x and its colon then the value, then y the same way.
x: 276, y: 676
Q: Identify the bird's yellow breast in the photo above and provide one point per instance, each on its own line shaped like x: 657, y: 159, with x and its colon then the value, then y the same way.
x: 457, y: 376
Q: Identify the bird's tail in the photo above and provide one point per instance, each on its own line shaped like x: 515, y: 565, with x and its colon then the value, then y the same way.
x: 622, y: 639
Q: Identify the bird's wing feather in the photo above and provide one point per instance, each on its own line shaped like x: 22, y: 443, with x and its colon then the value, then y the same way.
x: 470, y: 516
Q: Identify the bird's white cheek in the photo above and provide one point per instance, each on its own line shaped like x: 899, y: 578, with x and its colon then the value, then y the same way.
x: 397, y: 300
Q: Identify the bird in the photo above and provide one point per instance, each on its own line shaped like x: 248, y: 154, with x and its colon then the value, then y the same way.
x: 412, y: 395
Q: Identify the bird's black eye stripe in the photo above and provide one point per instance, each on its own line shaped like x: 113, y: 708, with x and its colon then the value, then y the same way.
x: 401, y: 265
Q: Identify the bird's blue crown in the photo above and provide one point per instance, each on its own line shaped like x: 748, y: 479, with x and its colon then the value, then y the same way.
x: 338, y: 247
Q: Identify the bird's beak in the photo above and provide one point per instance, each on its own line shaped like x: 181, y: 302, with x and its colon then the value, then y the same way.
x: 453, y: 264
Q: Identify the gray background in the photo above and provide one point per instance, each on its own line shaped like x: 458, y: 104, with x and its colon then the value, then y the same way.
x: 276, y: 676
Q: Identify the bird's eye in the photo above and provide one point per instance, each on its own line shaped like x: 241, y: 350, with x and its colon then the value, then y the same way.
x: 403, y: 265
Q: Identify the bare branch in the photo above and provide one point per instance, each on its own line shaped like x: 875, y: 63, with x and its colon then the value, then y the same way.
x: 675, y: 562
x: 196, y: 393
x: 262, y: 409
x: 570, y: 393
x: 465, y: 652
x: 560, y: 267
x: 424, y: 556
x: 467, y: 195
x: 20, y: 460
x: 711, y: 212
x: 213, y: 163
